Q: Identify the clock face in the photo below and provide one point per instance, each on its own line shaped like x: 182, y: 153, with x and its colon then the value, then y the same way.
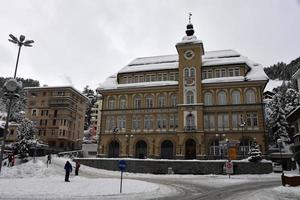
x: 189, y: 54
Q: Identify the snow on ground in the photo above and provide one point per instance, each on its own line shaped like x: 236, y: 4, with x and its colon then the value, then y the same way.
x: 35, y: 181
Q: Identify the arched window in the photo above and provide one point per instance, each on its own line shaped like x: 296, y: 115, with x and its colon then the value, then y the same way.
x: 137, y: 102
x: 173, y: 100
x: 190, y: 97
x: 208, y: 98
x: 192, y: 72
x: 111, y: 103
x: 236, y: 97
x: 122, y: 103
x: 250, y: 96
x: 186, y: 72
x: 149, y: 101
x: 161, y: 101
x: 222, y: 98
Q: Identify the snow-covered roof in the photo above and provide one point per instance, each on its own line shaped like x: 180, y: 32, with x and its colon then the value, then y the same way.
x: 211, y: 58
x: 273, y: 84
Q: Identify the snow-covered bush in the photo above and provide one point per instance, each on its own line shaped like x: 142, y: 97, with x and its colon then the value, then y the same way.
x: 255, y: 154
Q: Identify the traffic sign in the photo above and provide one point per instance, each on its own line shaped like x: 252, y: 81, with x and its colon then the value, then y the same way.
x: 229, y: 167
x: 122, y: 165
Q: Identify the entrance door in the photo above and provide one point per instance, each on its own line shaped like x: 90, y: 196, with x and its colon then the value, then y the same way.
x: 190, y: 149
x: 167, y: 149
x: 141, y: 149
x: 113, y: 149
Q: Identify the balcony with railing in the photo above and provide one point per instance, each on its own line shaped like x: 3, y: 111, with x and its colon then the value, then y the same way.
x: 190, y: 128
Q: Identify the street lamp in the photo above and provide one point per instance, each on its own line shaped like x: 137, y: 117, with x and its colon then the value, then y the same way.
x: 279, y: 142
x: 12, y: 87
x: 242, y: 125
x: 128, y: 143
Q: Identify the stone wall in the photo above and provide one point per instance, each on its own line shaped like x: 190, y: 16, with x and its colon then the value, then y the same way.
x: 178, y: 167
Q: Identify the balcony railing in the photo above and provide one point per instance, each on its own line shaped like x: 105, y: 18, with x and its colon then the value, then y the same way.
x: 189, y: 128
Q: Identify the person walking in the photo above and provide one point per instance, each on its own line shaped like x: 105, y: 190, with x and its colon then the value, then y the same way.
x: 68, y: 169
x: 49, y: 158
x: 77, y: 166
x: 10, y: 158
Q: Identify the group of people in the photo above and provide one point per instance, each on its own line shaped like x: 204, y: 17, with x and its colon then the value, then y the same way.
x: 68, y: 168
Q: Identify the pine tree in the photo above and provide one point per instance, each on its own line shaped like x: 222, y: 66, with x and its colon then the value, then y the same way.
x: 92, y: 100
x: 255, y: 154
x: 25, y: 137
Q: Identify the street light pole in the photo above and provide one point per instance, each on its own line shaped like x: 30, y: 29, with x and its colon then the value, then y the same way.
x: 279, y: 142
x: 115, y: 130
x: 12, y: 86
x: 242, y: 125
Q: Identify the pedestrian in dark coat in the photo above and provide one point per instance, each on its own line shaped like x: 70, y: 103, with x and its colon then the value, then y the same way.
x: 77, y: 168
x: 68, y: 169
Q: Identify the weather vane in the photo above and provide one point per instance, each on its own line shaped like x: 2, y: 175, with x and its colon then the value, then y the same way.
x: 190, y: 15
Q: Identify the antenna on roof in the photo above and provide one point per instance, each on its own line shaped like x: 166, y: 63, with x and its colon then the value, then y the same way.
x: 190, y: 15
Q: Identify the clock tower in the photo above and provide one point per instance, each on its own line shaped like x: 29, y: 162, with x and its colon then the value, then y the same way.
x: 190, y: 110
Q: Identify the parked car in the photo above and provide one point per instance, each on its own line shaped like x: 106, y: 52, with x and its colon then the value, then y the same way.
x: 277, y: 167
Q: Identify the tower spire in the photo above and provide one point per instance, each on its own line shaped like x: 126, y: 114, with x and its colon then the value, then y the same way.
x: 189, y: 28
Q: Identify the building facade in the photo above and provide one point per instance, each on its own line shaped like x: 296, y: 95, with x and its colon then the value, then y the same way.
x: 58, y: 113
x: 196, y: 104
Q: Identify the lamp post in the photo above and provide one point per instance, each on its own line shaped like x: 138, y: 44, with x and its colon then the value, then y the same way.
x: 242, y: 125
x: 115, y: 130
x: 221, y: 148
x: 128, y: 143
x: 12, y: 86
x: 279, y: 142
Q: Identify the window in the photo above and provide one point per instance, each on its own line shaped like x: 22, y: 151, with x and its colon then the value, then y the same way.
x: 223, y: 122
x: 129, y: 79
x: 165, y: 77
x: 173, y: 122
x: 125, y: 79
x: 122, y: 103
x: 231, y: 72
x: 148, y: 78
x: 141, y: 78
x: 190, y: 97
x: 236, y: 97
x: 111, y: 103
x: 172, y: 76
x: 186, y: 72
x: 209, y: 121
x: 208, y: 98
x: 250, y: 96
x: 159, y: 77
x: 161, y: 121
x: 161, y: 101
x: 137, y: 102
x: 136, y: 79
x: 148, y: 122
x: 176, y: 76
x: 149, y: 101
x: 122, y: 122
x: 153, y: 77
x: 252, y: 120
x: 218, y: 73
x: 173, y: 100
x: 34, y: 112
x: 222, y: 98
x: 190, y: 120
x: 110, y: 123
x: 237, y: 71
x: 136, y: 122
x: 204, y: 74
x: 54, y: 122
x: 237, y: 120
x: 223, y: 72
x: 192, y: 72
x: 209, y: 74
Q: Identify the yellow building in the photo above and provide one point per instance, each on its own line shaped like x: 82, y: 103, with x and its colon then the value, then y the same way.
x: 196, y: 104
x: 58, y: 113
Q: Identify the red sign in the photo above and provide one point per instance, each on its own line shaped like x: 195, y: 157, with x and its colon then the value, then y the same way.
x: 229, y: 167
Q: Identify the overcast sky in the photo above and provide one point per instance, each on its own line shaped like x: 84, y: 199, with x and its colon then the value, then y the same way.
x: 81, y: 42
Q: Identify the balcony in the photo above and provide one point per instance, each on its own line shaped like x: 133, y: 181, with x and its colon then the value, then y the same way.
x: 190, y: 128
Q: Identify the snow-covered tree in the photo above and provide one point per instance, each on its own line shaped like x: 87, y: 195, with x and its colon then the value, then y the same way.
x: 284, y: 100
x: 25, y: 137
x: 254, y: 154
x: 89, y: 93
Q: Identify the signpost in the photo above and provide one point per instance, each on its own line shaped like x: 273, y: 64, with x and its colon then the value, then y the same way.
x: 122, y: 166
x: 229, y: 168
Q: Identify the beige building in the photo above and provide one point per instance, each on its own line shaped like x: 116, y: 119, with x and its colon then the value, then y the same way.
x: 196, y: 104
x: 58, y: 113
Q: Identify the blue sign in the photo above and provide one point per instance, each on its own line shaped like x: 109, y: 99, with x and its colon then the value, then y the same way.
x: 122, y: 165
